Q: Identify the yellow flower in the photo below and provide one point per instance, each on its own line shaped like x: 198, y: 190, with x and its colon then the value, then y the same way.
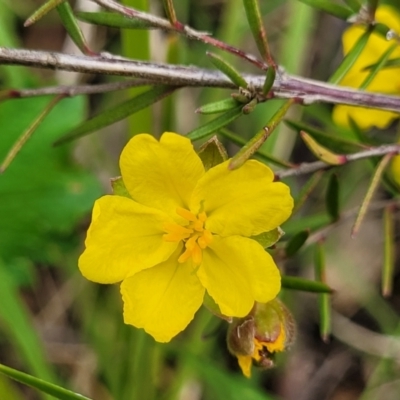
x: 386, y: 81
x: 268, y: 329
x: 184, y: 231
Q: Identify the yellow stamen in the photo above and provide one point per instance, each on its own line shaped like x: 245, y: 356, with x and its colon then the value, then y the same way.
x: 194, y: 235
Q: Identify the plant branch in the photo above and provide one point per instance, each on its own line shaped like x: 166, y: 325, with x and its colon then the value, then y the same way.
x: 285, y: 86
x: 70, y: 91
x: 180, y: 28
x: 307, y: 168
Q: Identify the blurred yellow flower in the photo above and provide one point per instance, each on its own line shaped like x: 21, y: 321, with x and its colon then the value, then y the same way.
x: 182, y: 232
x: 386, y: 81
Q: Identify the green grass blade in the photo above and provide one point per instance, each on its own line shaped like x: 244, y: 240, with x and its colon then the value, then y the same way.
x: 71, y: 25
x: 304, y: 285
x: 117, y: 113
x: 335, y: 9
x: 350, y: 58
x: 215, y: 124
x: 19, y: 328
x: 46, y: 387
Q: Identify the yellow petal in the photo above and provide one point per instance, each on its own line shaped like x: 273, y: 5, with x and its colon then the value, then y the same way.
x: 161, y: 174
x: 124, y: 237
x: 162, y: 300
x: 245, y: 363
x: 365, y: 118
x: 244, y: 201
x: 236, y: 271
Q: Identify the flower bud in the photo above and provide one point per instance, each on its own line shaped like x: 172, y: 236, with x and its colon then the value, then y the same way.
x: 269, y: 328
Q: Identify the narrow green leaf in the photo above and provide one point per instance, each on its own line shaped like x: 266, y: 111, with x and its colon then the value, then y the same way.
x: 46, y: 387
x: 260, y: 137
x: 257, y: 28
x: 335, y: 9
x: 392, y: 63
x: 296, y: 243
x: 378, y: 66
x: 227, y: 69
x: 389, y: 252
x: 334, y: 142
x: 42, y: 11
x: 268, y: 239
x: 170, y: 11
x: 118, y: 112
x: 18, y: 327
x: 355, y: 5
x: 323, y: 298
x: 269, y: 79
x: 304, y: 285
x: 119, y: 188
x: 351, y: 57
x: 71, y: 25
x: 212, y: 153
x: 332, y: 198
x: 376, y: 179
x: 215, y: 124
x: 260, y: 153
x: 28, y: 133
x: 306, y: 190
x: 218, y: 106
x: 113, y: 20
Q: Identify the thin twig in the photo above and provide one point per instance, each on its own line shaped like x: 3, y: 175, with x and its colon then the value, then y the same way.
x: 307, y: 168
x: 70, y: 91
x: 285, y: 86
x: 180, y: 28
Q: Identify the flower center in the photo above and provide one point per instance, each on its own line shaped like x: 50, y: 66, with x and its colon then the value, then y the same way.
x: 195, y: 237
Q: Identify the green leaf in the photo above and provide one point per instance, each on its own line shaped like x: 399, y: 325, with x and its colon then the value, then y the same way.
x: 389, y: 252
x: 119, y: 187
x: 257, y: 28
x: 43, y: 194
x: 306, y: 190
x: 296, y: 242
x: 215, y: 124
x: 378, y: 66
x: 117, y: 113
x: 332, y: 198
x: 392, y: 63
x: 328, y: 6
x: 351, y: 57
x: 218, y: 106
x: 323, y: 298
x: 46, y: 387
x: 71, y: 25
x: 17, y: 326
x: 334, y: 142
x: 113, y: 20
x: 268, y: 239
x: 304, y: 285
x: 42, y: 11
x: 212, y: 153
x: 260, y: 137
x: 260, y: 153
x: 269, y: 79
x: 227, y: 69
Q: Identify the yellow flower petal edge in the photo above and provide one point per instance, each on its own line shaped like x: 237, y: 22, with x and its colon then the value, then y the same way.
x: 247, y: 270
x: 161, y: 174
x: 386, y: 81
x: 162, y: 300
x: 124, y: 238
x: 168, y: 244
x: 244, y: 201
